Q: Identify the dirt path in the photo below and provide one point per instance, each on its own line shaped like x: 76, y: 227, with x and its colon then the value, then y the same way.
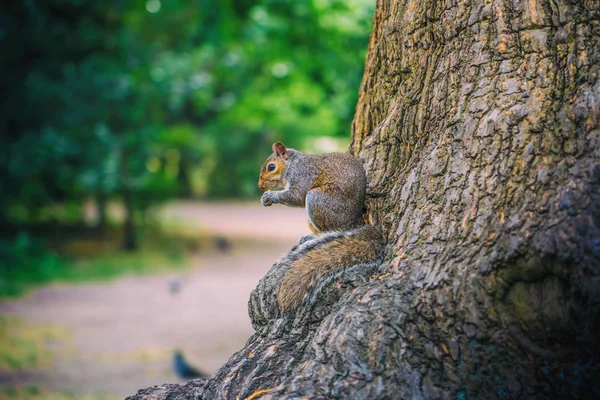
x: 120, y: 335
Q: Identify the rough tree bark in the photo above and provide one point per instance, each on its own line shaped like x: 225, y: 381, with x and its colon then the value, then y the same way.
x: 479, y: 125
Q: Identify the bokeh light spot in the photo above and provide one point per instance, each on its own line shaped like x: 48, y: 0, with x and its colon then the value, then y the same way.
x: 153, y: 6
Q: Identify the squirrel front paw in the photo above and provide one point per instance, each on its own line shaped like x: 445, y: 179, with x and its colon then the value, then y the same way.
x: 269, y: 197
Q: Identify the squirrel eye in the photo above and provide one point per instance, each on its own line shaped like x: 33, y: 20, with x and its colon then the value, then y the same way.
x: 271, y: 167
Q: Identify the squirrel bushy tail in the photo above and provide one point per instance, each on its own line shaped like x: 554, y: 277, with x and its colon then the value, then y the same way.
x: 316, y: 262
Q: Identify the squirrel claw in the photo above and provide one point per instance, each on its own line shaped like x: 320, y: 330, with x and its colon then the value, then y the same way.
x: 302, y: 240
x: 267, y: 199
x: 305, y: 238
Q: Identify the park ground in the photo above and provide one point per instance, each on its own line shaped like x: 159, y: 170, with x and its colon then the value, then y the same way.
x: 105, y: 340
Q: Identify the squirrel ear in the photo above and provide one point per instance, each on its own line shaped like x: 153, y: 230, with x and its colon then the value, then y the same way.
x: 281, y: 151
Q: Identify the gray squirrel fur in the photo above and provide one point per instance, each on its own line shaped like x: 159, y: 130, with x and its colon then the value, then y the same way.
x: 332, y: 188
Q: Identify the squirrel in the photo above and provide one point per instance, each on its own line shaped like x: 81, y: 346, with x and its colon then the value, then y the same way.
x: 332, y: 187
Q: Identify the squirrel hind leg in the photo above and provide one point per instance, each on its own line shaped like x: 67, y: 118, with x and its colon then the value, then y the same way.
x: 302, y: 240
x: 306, y: 238
x: 312, y: 227
x: 327, y: 213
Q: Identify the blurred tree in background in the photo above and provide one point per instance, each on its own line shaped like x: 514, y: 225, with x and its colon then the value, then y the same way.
x: 145, y: 100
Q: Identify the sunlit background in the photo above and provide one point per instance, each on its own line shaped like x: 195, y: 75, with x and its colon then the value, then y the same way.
x: 132, y: 133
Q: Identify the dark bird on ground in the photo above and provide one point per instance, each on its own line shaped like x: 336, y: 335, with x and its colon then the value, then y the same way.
x: 183, y: 369
x: 175, y: 285
x: 222, y: 244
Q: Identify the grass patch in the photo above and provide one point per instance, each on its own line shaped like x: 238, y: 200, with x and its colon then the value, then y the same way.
x: 79, y: 254
x: 144, y: 355
x: 109, y: 266
x: 34, y: 392
x: 25, y: 345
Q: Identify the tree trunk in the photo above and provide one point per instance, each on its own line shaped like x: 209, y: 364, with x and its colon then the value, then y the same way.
x: 101, y: 205
x: 479, y: 126
x: 129, y: 234
x: 185, y: 180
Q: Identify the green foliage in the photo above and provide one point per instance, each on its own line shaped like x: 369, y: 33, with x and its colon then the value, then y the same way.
x: 26, y: 262
x: 26, y: 345
x: 168, y: 98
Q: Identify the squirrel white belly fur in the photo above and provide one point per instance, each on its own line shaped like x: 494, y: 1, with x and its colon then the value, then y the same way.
x: 332, y: 188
